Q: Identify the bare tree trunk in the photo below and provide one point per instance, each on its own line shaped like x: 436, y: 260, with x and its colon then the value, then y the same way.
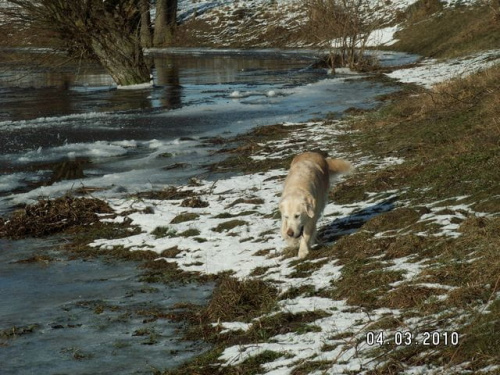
x: 172, y: 13
x: 146, y: 37
x: 165, y: 22
x: 126, y: 64
x: 160, y: 23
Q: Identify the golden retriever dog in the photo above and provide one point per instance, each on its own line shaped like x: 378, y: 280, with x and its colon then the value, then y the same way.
x: 305, y: 195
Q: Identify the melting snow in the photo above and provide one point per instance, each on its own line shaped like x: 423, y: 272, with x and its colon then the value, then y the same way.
x: 432, y: 72
x: 256, y: 243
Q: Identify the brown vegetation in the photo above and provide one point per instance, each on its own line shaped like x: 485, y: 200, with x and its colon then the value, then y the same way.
x: 240, y: 300
x: 347, y: 24
x: 435, y: 32
x: 53, y: 216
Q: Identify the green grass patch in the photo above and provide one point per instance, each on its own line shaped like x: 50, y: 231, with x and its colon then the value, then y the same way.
x: 254, y: 201
x: 409, y: 296
x: 479, y: 340
x: 227, y: 215
x: 161, y: 232
x: 187, y: 216
x: 304, y: 268
x: 253, y: 365
x: 364, y: 283
x: 161, y: 271
x: 206, y: 364
x: 200, y: 239
x: 393, y: 220
x: 268, y: 326
x: 228, y: 225
x: 190, y: 233
x: 310, y: 367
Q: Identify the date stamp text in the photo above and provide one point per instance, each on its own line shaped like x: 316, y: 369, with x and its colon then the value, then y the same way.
x: 408, y: 338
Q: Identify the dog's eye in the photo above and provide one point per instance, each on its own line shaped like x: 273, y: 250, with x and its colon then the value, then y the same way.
x: 296, y: 216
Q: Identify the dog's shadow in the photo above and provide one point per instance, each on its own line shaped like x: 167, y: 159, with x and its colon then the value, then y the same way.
x: 346, y: 225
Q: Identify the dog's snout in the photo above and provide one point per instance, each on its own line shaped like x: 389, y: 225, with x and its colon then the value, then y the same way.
x: 289, y: 233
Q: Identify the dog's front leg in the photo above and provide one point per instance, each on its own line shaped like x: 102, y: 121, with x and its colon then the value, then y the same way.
x: 283, y: 229
x: 305, y: 244
x: 304, y: 247
x: 307, y: 239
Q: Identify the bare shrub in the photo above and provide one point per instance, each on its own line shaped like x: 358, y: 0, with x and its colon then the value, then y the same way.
x: 346, y: 25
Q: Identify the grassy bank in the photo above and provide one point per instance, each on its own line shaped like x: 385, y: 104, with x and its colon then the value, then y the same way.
x: 443, y: 229
x: 446, y: 223
x: 448, y: 139
x: 433, y: 31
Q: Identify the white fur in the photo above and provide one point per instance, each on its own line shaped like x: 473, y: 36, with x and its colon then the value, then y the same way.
x: 305, y: 194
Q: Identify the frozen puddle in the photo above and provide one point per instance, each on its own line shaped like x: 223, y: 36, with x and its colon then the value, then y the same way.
x: 86, y: 316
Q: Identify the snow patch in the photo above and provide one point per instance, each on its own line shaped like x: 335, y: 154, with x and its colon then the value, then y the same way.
x: 432, y: 72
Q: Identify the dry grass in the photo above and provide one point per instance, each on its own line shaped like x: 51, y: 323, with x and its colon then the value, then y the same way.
x: 449, y: 33
x: 228, y: 225
x: 162, y: 271
x: 392, y: 220
x: 194, y: 202
x: 240, y: 300
x: 421, y: 10
x: 53, y: 216
x: 409, y: 296
x: 448, y: 137
x: 363, y: 283
x: 169, y: 193
x: 239, y: 152
x: 469, y: 263
x: 253, y: 201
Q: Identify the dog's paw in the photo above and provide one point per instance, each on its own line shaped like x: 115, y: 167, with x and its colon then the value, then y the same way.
x: 303, y: 253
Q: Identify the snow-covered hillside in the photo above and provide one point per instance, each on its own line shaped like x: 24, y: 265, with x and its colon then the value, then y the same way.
x: 276, y: 23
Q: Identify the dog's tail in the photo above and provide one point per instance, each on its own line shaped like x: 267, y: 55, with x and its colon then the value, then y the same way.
x: 338, y: 166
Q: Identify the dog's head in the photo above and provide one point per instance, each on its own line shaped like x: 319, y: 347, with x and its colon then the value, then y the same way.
x: 296, y: 210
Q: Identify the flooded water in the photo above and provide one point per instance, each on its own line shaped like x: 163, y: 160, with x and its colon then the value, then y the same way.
x: 131, y: 140
x: 61, y: 316
x: 81, y: 316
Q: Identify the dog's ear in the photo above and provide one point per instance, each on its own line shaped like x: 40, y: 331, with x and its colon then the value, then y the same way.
x: 282, y: 203
x: 310, y: 203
